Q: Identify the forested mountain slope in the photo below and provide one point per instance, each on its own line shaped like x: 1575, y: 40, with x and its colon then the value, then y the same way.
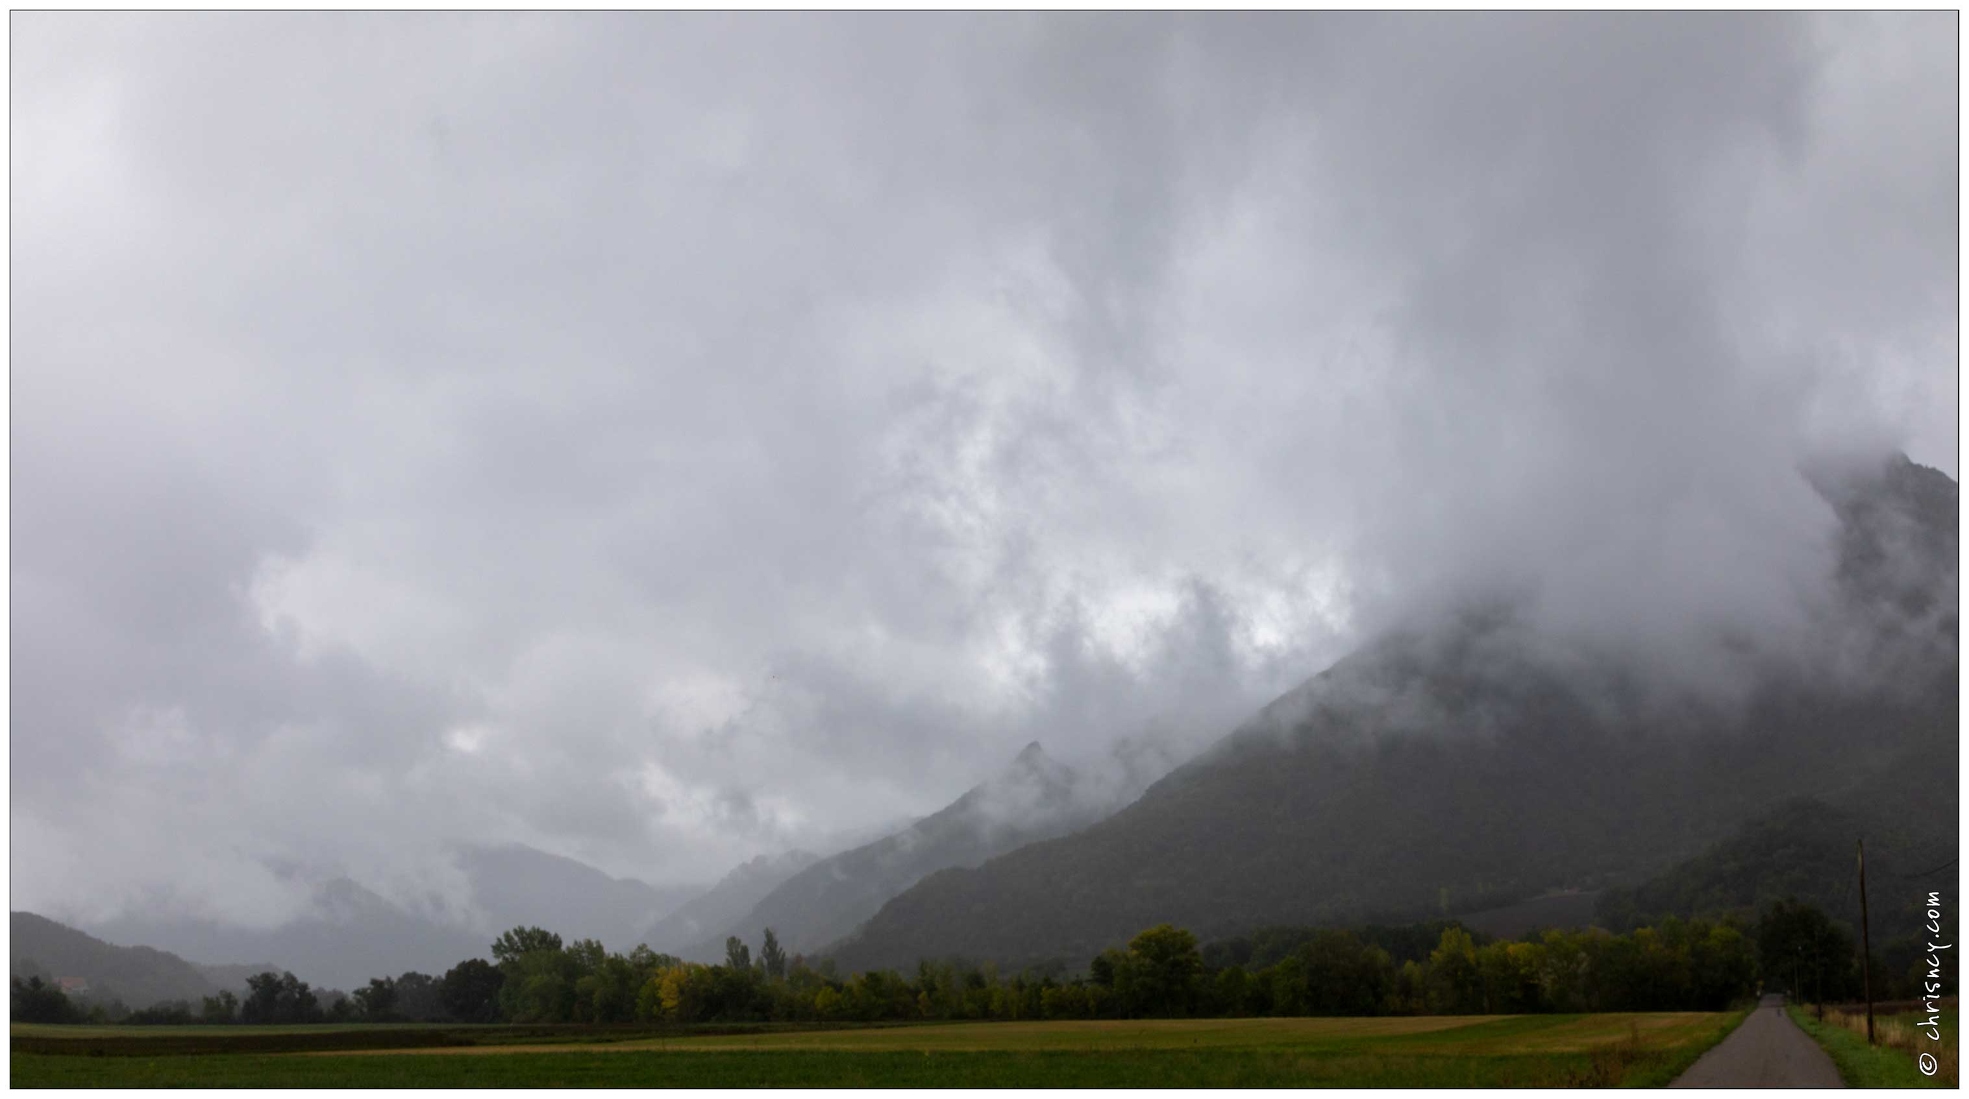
x: 1474, y: 762
x: 137, y: 975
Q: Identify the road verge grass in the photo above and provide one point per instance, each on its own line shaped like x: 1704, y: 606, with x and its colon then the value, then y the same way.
x: 1891, y: 1064
x: 1662, y: 1067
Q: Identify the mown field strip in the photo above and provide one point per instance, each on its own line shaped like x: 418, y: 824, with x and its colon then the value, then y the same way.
x: 1438, y: 1051
x: 1449, y: 1035
x: 1064, y: 1035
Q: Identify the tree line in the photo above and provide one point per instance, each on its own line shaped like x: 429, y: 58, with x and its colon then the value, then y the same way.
x: 534, y: 977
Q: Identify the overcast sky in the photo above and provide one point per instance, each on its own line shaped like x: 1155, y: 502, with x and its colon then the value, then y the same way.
x: 669, y: 439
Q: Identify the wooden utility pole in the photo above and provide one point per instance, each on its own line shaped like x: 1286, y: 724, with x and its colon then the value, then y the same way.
x: 1866, y: 966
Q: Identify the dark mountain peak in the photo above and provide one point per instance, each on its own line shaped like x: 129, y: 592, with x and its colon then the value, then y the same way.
x: 1034, y: 784
x: 1033, y: 762
x: 1922, y: 491
x: 1856, y: 485
x: 1897, y: 550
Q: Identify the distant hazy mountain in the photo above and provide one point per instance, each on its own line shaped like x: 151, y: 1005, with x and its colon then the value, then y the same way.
x: 1035, y: 798
x: 684, y: 932
x: 1474, y: 763
x: 514, y: 885
x: 349, y: 935
x: 137, y: 975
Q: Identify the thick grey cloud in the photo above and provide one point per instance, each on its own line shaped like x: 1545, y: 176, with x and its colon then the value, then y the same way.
x: 665, y: 439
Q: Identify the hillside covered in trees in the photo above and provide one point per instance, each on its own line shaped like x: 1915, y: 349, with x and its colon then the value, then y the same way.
x: 136, y: 975
x: 1447, y: 769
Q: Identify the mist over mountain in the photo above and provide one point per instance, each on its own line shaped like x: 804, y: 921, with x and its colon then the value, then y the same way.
x: 515, y: 885
x: 1482, y: 761
x: 1035, y: 798
x: 684, y: 931
x: 674, y: 439
x: 347, y: 933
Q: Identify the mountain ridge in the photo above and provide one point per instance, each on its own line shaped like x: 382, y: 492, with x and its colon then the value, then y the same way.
x: 1035, y: 797
x: 515, y: 885
x: 683, y: 932
x: 1437, y: 769
x: 348, y: 933
x: 139, y: 976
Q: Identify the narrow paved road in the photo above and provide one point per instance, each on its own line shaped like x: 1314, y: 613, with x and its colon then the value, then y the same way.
x: 1767, y: 1051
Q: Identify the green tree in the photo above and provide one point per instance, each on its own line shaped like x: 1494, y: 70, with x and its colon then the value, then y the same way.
x: 1101, y: 970
x: 1165, y: 968
x: 1411, y: 991
x: 1507, y: 978
x: 539, y: 987
x: 1802, y: 949
x: 586, y: 955
x: 1233, y: 992
x: 773, y: 957
x: 1454, y: 987
x: 827, y: 1002
x: 36, y: 1001
x: 1344, y: 976
x: 1286, y: 984
x: 1724, y: 964
x: 523, y: 940
x: 1562, y: 974
x: 417, y: 997
x: 737, y: 954
x: 469, y: 991
x: 223, y: 1008
x: 278, y: 998
x: 378, y: 1002
x: 609, y: 993
x: 649, y: 999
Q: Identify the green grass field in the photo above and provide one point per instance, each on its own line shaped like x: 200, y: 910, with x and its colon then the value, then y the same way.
x: 1440, y: 1051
